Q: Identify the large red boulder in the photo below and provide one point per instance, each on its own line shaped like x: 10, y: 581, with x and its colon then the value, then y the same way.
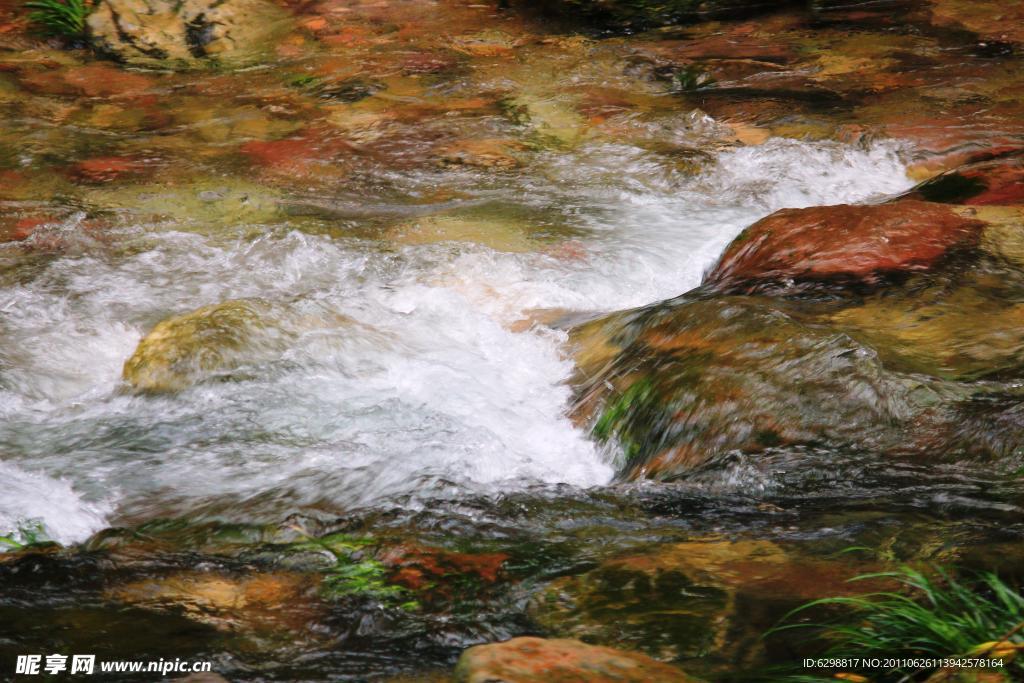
x: 844, y: 244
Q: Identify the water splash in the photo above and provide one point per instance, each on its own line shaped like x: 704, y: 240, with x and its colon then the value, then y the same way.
x: 439, y: 392
x: 35, y: 501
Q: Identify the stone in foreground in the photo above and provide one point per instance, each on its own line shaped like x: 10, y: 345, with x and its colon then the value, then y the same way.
x: 537, y: 660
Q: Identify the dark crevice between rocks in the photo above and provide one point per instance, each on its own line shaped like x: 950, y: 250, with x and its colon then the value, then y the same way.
x: 349, y: 91
x: 199, y: 34
x: 149, y: 51
x: 630, y: 16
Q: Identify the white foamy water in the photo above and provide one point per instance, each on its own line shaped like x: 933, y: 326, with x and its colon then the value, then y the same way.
x: 33, y: 502
x: 432, y: 393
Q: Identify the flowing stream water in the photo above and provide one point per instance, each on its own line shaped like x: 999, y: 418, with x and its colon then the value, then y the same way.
x: 449, y: 382
x: 295, y: 370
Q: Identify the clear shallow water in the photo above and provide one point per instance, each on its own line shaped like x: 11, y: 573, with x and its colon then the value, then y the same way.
x: 438, y: 391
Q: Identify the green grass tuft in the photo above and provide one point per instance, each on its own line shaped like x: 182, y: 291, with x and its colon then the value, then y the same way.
x: 934, y: 615
x: 64, y: 18
x: 30, y: 532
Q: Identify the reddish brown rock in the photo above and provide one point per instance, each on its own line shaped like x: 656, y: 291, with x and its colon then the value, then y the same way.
x: 416, y: 566
x: 49, y: 232
x: 22, y: 228
x: 536, y: 660
x: 276, y: 152
x: 961, y: 134
x: 994, y: 180
x: 843, y: 243
x: 314, y: 24
x: 990, y: 19
x: 95, y: 80
x: 311, y: 152
x: 105, y: 169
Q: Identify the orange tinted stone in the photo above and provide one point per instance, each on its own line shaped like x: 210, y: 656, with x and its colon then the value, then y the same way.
x: 103, y: 169
x: 95, y: 80
x: 538, y: 660
x: 415, y: 563
x: 314, y: 24
x: 24, y: 227
x: 98, y: 80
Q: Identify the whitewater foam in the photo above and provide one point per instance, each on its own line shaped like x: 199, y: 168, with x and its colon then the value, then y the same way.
x: 432, y: 394
x: 35, y: 502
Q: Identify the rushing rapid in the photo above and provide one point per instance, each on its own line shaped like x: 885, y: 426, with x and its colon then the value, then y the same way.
x: 451, y: 378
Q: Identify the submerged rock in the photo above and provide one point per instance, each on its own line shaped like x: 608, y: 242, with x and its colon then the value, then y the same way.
x: 106, y: 169
x: 186, y: 34
x: 844, y: 243
x: 499, y: 234
x: 712, y: 598
x: 92, y: 80
x: 679, y: 384
x: 259, y: 602
x: 990, y: 19
x: 966, y: 333
x: 536, y: 660
x: 205, y: 204
x: 425, y: 568
x: 552, y: 121
x: 484, y: 153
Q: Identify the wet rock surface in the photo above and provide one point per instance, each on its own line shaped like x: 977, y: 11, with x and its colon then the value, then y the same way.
x: 897, y: 318
x: 855, y: 244
x: 696, y: 380
x: 997, y: 181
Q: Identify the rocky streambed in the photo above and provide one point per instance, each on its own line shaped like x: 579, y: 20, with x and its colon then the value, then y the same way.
x: 339, y: 338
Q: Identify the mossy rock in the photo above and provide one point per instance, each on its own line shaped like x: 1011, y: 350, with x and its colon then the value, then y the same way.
x: 216, y: 341
x: 499, y: 234
x: 204, y: 203
x: 680, y: 385
x: 959, y: 335
x: 185, y: 348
